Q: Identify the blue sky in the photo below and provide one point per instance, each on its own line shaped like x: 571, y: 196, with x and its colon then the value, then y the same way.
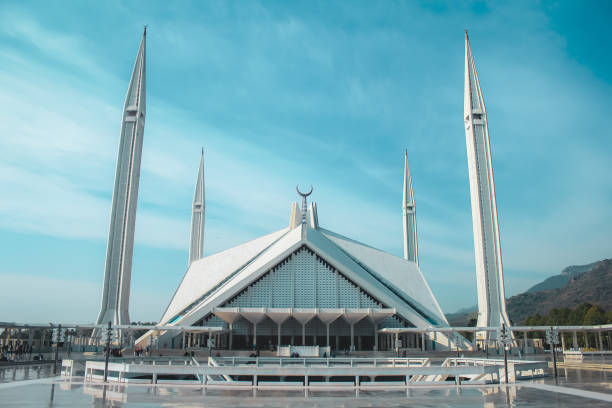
x: 281, y: 93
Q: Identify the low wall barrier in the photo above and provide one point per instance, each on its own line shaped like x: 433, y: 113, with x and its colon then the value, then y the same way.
x: 308, y: 372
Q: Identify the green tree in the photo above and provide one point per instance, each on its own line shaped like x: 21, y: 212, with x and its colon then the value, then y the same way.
x: 535, y: 320
x: 595, y: 315
x: 558, y: 317
x: 609, y: 316
x: 576, y: 317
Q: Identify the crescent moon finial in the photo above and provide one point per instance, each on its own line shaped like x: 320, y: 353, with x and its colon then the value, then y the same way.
x: 297, y: 188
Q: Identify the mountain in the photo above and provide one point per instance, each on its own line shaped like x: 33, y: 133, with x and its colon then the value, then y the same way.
x: 575, y: 285
x: 593, y: 285
x: 559, y: 281
x: 462, y: 317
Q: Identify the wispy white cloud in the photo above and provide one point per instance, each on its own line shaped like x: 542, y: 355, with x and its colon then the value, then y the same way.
x: 64, y: 48
x: 290, y: 97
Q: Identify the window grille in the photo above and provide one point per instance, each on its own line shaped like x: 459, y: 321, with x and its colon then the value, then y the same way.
x: 303, y: 280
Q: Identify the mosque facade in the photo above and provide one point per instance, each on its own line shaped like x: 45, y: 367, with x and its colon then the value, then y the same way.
x: 303, y: 284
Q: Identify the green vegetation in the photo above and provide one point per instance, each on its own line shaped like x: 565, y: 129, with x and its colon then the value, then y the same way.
x: 585, y: 314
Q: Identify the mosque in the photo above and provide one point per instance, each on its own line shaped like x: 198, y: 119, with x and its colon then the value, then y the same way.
x: 301, y: 285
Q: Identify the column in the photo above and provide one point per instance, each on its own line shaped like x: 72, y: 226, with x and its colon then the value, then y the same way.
x: 423, y: 341
x: 586, y: 340
x: 184, y: 340
x: 575, y: 340
x: 352, y: 336
x: 231, y: 336
x: 562, y: 341
x: 303, y: 334
x: 254, y: 334
x: 327, y: 334
x: 600, y: 348
x: 525, y: 341
x: 375, y: 336
x: 278, y: 342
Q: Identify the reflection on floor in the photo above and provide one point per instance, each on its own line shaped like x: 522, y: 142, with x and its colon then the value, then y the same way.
x: 36, y: 390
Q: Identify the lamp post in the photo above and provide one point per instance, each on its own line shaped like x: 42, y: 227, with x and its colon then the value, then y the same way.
x: 456, y: 336
x: 57, y: 341
x: 108, y: 343
x: 552, y: 338
x: 504, y: 339
x: 69, y: 341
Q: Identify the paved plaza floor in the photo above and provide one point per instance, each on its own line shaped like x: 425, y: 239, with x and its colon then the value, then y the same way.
x: 36, y: 387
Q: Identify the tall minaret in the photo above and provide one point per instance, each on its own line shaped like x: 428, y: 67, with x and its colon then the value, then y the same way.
x: 196, y: 248
x: 118, y: 269
x: 411, y: 246
x: 487, y: 248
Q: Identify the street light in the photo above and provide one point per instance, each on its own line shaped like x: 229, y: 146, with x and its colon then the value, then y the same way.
x: 109, y: 335
x: 552, y: 338
x: 58, y: 335
x: 504, y: 338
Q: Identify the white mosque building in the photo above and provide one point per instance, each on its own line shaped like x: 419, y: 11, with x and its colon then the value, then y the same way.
x: 303, y: 284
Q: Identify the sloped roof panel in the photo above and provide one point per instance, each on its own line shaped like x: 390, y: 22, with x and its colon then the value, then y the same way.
x: 256, y: 266
x: 402, y: 274
x: 204, y: 274
x: 371, y: 281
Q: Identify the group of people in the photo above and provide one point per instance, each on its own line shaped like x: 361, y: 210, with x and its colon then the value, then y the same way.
x: 138, y: 351
x: 16, y: 352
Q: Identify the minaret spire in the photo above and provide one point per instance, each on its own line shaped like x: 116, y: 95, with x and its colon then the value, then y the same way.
x: 411, y: 246
x: 118, y: 268
x: 196, y: 249
x: 487, y: 247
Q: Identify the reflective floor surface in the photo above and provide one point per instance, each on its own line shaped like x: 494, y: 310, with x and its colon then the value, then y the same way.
x: 25, y: 372
x: 28, y: 387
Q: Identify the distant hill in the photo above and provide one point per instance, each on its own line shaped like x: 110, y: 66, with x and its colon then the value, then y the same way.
x: 593, y: 285
x: 559, y: 281
x: 462, y: 317
x: 574, y: 286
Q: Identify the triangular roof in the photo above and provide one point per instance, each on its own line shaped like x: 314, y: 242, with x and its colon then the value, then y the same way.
x: 213, y: 280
